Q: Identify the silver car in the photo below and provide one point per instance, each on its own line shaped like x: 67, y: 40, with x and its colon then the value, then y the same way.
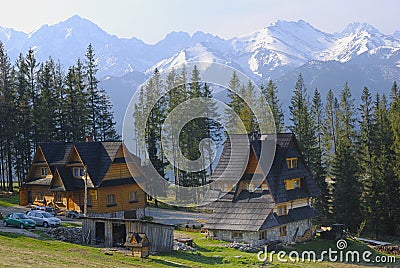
x: 43, y: 218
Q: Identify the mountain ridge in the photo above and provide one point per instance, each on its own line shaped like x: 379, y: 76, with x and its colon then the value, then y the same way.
x: 359, y: 54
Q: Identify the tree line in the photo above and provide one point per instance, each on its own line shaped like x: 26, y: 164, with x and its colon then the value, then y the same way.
x: 39, y: 102
x: 353, y: 153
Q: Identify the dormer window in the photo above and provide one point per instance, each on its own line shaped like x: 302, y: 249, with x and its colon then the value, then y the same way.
x: 291, y: 162
x: 79, y: 172
x: 44, y: 171
x: 282, y: 210
x: 291, y: 184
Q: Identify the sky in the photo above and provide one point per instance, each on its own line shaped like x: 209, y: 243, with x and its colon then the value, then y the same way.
x: 151, y: 20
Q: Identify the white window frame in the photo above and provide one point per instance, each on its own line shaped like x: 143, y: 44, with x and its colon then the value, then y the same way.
x: 44, y: 171
x: 133, y: 197
x: 111, y: 200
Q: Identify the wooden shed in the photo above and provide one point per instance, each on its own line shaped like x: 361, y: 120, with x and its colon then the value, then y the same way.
x: 112, y: 232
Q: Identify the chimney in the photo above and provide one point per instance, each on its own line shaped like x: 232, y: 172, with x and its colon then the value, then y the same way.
x: 89, y: 138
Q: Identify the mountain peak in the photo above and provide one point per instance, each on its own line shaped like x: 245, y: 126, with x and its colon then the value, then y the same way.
x: 291, y: 24
x: 357, y: 27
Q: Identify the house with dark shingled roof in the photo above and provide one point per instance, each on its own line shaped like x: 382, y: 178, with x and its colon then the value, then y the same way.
x: 278, y: 209
x: 57, y: 178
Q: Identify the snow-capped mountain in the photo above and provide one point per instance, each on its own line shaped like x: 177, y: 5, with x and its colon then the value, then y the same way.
x: 360, y: 54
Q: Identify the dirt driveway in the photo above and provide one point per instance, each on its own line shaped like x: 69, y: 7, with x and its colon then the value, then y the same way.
x: 175, y: 216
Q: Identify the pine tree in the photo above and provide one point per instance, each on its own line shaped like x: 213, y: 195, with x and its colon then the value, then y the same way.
x: 75, y: 104
x: 346, y: 203
x: 271, y: 94
x: 246, y: 114
x: 317, y: 163
x: 46, y: 103
x: 382, y: 197
x: 23, y: 119
x: 300, y: 116
x: 156, y: 116
x: 60, y: 108
x: 105, y: 120
x: 93, y: 93
x: 366, y: 139
x: 235, y: 103
x: 394, y: 116
x: 32, y: 66
x: 7, y: 117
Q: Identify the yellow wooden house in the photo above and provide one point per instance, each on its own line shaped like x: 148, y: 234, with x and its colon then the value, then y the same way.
x: 60, y: 171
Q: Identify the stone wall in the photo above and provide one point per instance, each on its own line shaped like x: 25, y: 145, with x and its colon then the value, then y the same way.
x: 249, y: 237
x: 272, y: 233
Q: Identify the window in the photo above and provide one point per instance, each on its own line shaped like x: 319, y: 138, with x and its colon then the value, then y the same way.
x: 282, y: 210
x: 225, y: 187
x: 89, y: 200
x: 282, y: 230
x: 133, y: 197
x: 263, y: 235
x: 44, y: 171
x: 58, y: 198
x: 111, y: 200
x: 291, y: 184
x: 237, y: 234
x: 291, y: 162
x: 40, y: 196
x: 79, y: 172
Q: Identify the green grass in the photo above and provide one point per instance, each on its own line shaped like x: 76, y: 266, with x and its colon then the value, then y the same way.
x: 28, y: 252
x: 9, y: 201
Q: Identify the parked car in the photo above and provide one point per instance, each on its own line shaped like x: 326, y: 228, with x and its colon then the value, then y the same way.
x: 44, y: 218
x: 44, y: 208
x: 19, y: 220
x: 73, y: 214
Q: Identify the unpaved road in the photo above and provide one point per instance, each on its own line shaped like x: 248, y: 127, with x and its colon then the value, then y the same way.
x: 175, y: 216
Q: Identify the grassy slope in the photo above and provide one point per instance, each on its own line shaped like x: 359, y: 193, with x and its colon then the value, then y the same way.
x: 28, y: 252
x: 9, y: 201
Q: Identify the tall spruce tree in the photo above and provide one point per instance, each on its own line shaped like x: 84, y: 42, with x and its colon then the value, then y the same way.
x: 394, y: 116
x: 317, y: 160
x: 367, y: 179
x: 94, y: 96
x: 7, y: 117
x: 346, y: 203
x: 302, y: 125
x: 23, y: 118
x: 46, y: 103
x: 270, y: 92
x: 383, y: 192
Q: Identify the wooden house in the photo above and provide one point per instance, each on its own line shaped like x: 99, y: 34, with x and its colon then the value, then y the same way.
x: 57, y: 177
x: 278, y: 209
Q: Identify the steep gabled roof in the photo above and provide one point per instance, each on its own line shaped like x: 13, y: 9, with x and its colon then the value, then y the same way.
x: 97, y: 156
x: 230, y: 165
x: 247, y: 212
x: 56, y: 153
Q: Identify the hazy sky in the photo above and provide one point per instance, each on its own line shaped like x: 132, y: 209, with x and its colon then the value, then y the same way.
x: 152, y: 20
